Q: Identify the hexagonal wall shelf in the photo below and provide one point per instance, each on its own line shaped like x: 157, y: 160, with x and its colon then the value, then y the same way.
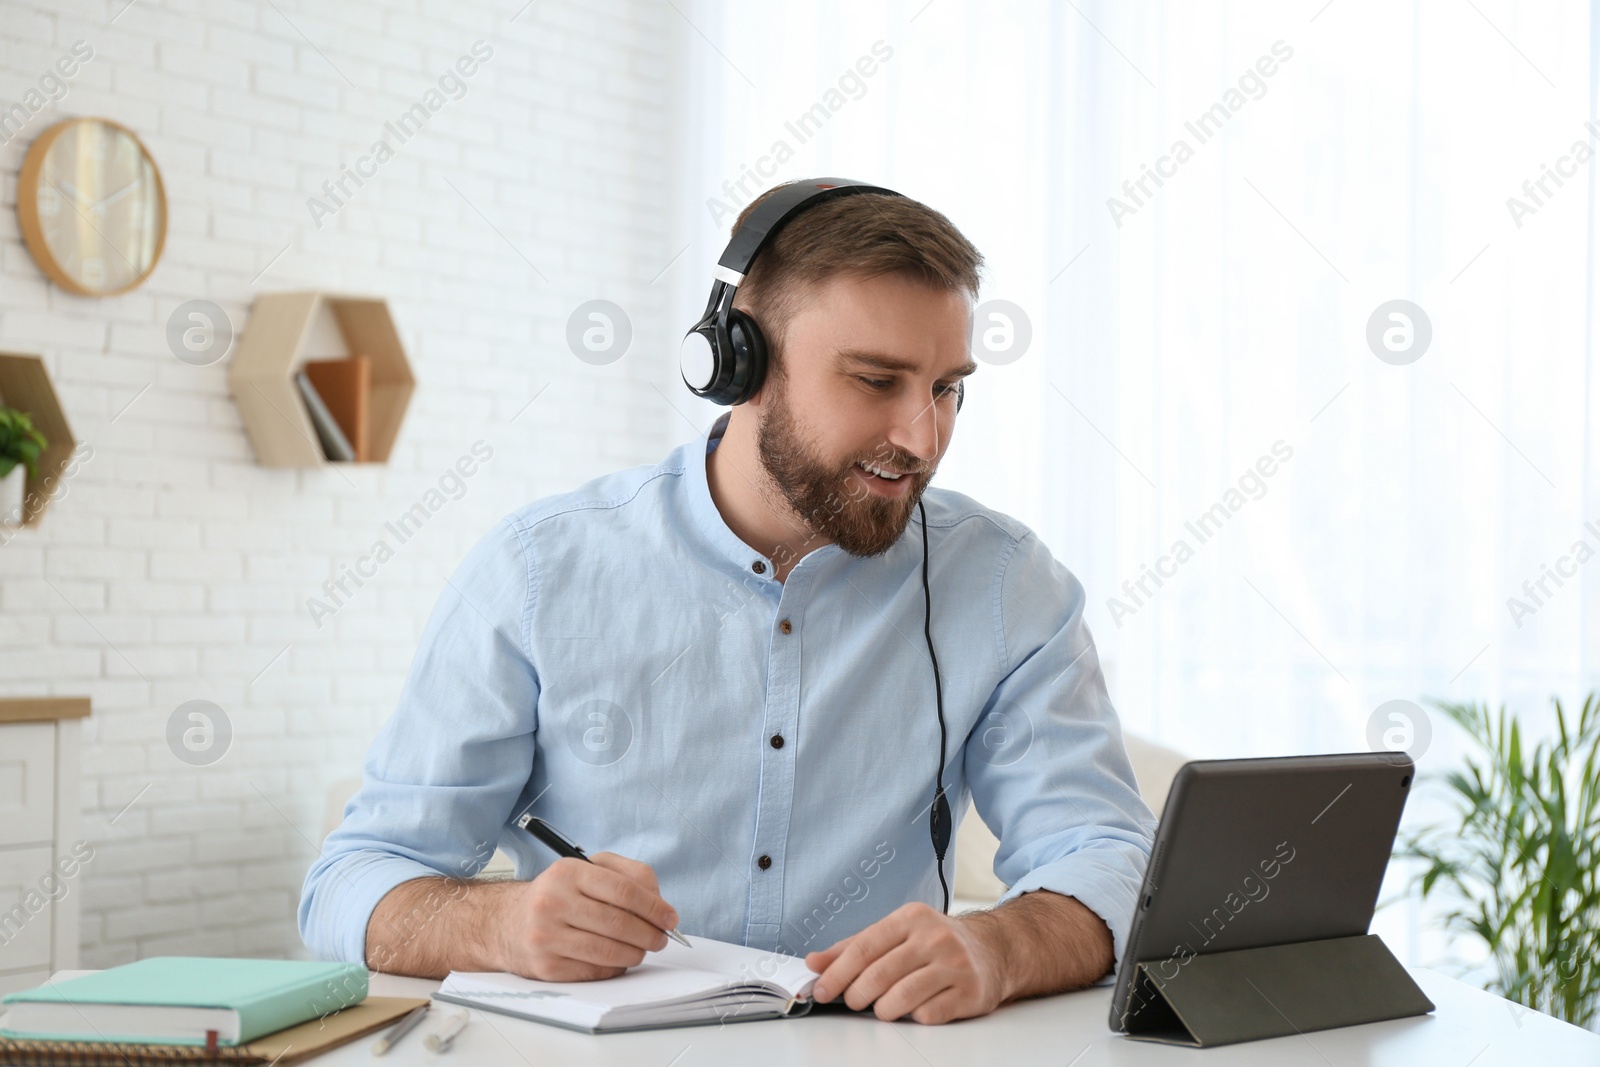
x: 285, y: 330
x: 25, y: 385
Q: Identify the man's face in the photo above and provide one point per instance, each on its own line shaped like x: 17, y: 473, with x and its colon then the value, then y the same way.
x: 870, y: 368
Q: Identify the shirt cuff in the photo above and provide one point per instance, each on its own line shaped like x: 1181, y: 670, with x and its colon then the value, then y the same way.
x: 348, y: 889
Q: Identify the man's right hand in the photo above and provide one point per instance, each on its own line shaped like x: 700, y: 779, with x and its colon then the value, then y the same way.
x: 577, y: 921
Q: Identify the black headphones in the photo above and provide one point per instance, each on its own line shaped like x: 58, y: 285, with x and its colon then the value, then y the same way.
x: 723, y: 358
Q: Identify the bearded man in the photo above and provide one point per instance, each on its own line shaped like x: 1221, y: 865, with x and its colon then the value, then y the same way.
x: 712, y: 668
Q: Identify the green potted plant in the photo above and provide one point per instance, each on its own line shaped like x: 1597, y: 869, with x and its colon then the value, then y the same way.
x: 1519, y: 859
x: 21, y: 445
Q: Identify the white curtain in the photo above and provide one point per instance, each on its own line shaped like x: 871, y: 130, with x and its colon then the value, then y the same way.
x: 1336, y: 157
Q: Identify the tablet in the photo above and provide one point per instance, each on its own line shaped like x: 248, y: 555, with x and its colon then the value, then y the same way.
x: 1254, y: 852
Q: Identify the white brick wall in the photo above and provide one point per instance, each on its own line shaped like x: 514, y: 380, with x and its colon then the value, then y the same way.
x: 175, y: 568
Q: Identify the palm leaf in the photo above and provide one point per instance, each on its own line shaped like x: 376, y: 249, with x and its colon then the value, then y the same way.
x: 1521, y: 859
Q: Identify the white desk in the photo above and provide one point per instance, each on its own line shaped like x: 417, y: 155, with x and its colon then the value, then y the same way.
x: 1469, y: 1027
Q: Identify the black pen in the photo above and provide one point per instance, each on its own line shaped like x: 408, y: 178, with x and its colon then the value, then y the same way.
x: 562, y: 847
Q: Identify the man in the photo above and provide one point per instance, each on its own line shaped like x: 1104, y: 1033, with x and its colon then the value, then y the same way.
x: 714, y: 668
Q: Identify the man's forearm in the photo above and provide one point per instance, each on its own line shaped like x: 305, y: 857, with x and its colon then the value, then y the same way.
x: 1045, y: 943
x: 429, y: 927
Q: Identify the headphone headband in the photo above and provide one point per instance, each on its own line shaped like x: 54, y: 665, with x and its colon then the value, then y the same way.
x: 777, y: 209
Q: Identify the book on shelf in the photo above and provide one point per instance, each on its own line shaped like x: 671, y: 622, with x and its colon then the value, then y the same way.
x: 335, y: 445
x: 345, y: 386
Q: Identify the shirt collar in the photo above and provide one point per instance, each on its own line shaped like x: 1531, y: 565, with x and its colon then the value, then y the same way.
x: 693, y: 460
x: 705, y: 509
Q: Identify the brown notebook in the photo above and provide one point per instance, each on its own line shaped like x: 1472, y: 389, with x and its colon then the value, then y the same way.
x: 287, y: 1046
x: 345, y: 386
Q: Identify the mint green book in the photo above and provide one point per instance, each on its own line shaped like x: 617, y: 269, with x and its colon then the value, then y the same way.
x: 175, y: 1000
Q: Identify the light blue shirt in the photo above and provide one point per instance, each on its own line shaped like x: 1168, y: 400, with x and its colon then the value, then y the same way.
x: 617, y: 661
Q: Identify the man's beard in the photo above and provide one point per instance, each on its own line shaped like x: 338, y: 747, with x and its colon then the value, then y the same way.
x: 830, y: 499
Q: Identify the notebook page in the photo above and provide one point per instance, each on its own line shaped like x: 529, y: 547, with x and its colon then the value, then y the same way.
x: 788, y: 973
x: 673, y: 976
x: 581, y: 1003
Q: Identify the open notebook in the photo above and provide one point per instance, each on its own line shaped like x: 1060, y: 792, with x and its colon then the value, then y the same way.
x: 713, y: 982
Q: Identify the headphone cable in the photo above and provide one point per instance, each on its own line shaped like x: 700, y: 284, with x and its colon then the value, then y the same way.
x: 939, y: 816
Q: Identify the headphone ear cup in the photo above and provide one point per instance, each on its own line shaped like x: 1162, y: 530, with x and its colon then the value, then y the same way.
x: 749, y: 356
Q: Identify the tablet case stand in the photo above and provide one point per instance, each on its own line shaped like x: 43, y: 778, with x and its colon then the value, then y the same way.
x: 1272, y: 991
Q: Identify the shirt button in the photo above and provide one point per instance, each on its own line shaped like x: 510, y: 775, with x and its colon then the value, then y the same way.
x: 777, y: 740
x: 759, y: 567
x: 764, y: 862
x: 784, y: 626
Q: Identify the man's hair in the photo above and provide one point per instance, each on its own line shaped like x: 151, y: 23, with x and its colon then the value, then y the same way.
x: 863, y: 235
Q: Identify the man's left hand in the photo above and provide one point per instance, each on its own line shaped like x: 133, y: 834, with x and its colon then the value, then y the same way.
x: 916, y: 961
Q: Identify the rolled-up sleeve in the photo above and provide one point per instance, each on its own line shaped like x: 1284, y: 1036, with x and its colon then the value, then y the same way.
x: 442, y: 775
x: 1046, y: 763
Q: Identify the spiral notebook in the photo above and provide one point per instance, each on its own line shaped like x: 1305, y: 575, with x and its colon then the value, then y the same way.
x: 288, y: 1046
x: 712, y: 982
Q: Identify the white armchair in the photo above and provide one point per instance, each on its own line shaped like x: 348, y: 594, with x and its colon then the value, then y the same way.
x: 1154, y: 767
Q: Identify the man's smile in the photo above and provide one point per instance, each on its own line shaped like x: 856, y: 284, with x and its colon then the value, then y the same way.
x: 883, y: 482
